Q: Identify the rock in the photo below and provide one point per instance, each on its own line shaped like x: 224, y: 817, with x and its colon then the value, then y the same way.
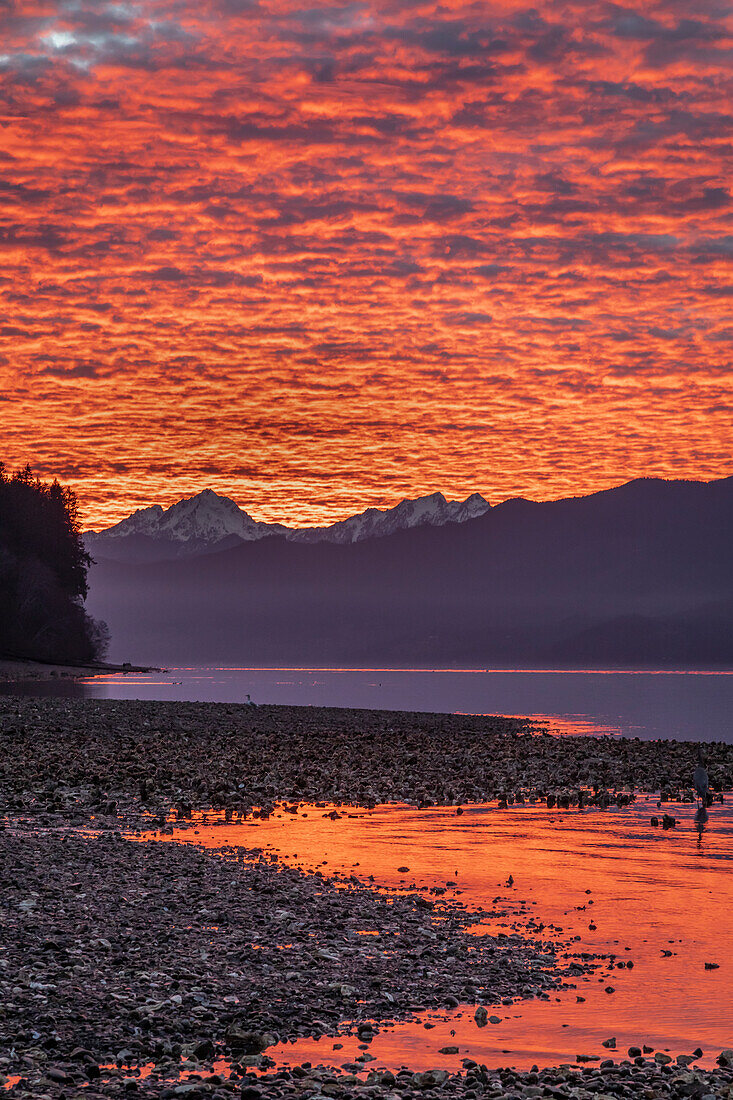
x: 195, y: 948
x: 448, y: 1050
x: 80, y: 1054
x: 58, y: 1075
x: 609, y: 1043
x: 725, y: 1058
x: 431, y: 1079
x: 244, y: 1041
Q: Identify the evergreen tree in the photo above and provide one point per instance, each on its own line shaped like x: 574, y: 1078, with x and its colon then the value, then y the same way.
x: 43, y: 573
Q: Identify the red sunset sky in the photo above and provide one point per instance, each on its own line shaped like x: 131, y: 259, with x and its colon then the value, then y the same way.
x: 324, y: 257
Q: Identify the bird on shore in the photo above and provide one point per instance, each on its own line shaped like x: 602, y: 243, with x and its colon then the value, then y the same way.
x: 249, y: 702
x: 700, y: 779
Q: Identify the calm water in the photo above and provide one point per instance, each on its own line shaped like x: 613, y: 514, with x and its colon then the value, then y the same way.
x: 660, y: 899
x: 682, y: 705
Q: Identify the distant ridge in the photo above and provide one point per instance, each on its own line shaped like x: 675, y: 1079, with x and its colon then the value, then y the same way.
x: 636, y: 576
x: 208, y: 522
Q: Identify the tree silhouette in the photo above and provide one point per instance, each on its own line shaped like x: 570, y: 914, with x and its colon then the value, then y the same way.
x: 43, y: 573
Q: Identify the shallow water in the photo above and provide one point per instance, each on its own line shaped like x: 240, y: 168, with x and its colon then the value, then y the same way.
x: 647, y: 892
x: 683, y: 705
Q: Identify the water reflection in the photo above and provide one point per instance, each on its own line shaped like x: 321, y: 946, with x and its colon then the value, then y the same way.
x: 681, y: 705
x: 660, y: 902
x: 700, y: 821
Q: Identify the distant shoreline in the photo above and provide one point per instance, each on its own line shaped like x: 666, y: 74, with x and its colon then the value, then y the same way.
x: 12, y: 669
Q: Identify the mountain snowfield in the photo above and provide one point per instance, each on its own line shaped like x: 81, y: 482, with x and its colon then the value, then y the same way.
x: 209, y: 521
x: 206, y: 517
x: 433, y: 510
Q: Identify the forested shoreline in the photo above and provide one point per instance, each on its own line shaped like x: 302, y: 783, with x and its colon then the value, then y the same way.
x: 43, y: 574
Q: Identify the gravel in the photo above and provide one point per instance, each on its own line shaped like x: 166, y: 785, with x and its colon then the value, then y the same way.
x: 153, y: 969
x: 126, y: 760
x: 119, y: 950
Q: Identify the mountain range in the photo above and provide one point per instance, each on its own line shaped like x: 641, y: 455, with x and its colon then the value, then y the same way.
x: 637, y: 576
x: 209, y: 521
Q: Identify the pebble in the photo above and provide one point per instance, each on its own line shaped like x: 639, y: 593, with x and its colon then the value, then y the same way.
x: 99, y: 756
x: 125, y: 954
x: 157, y: 954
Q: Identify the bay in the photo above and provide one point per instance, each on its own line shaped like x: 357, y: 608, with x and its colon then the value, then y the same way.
x: 682, y: 704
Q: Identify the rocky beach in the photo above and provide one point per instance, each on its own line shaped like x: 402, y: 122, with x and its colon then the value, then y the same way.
x: 13, y: 671
x: 133, y: 965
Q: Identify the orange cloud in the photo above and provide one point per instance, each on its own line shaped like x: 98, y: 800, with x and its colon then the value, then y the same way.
x: 322, y: 258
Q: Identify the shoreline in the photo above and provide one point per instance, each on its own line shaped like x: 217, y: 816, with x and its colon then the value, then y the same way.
x: 19, y: 670
x: 147, y: 756
x: 136, y: 963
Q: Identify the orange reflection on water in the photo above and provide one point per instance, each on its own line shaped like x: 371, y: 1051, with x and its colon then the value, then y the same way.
x: 662, y: 899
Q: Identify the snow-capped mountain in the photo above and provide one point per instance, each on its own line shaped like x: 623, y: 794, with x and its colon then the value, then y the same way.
x: 207, y: 517
x: 433, y: 510
x: 209, y: 521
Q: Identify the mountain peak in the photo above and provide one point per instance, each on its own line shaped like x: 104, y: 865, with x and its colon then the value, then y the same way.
x: 199, y: 523
x: 432, y: 509
x: 140, y: 519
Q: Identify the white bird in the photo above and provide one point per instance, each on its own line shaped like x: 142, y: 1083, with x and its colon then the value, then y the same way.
x: 700, y: 778
x: 251, y: 704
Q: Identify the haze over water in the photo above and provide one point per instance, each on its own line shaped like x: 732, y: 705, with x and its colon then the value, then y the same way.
x: 680, y: 705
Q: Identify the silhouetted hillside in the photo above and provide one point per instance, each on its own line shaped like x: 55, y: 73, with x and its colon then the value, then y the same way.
x: 43, y: 574
x: 639, y: 575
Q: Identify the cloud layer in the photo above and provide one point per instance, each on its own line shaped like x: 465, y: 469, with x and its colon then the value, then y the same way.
x: 324, y: 257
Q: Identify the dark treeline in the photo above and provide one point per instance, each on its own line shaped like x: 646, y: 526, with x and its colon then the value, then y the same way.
x: 43, y: 574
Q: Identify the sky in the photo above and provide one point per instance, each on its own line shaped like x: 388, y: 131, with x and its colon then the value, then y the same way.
x: 325, y: 257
